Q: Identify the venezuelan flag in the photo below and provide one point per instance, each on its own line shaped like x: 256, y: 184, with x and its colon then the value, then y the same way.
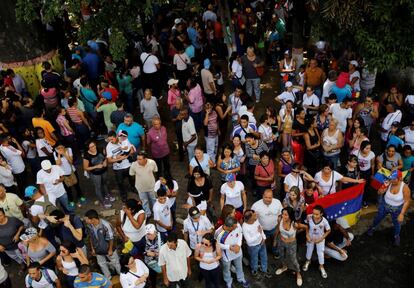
x: 344, y: 204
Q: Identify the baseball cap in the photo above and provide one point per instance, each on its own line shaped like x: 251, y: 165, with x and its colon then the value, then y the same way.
x: 28, y: 234
x: 194, y: 212
x: 395, y: 124
x: 30, y: 191
x: 172, y: 82
x: 107, y: 95
x: 123, y: 133
x: 288, y: 84
x: 46, y: 165
x: 207, y: 63
x: 150, y: 229
x: 354, y: 62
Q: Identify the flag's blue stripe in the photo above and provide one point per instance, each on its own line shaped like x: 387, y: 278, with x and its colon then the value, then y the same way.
x: 344, y: 208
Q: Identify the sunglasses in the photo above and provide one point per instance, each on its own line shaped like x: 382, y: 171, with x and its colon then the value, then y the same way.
x: 206, y: 244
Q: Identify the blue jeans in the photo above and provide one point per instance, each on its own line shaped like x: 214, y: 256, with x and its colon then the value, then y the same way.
x: 253, y: 85
x: 239, y: 271
x: 385, y: 209
x: 255, y: 252
x: 333, y: 159
x: 269, y: 235
x: 64, y: 203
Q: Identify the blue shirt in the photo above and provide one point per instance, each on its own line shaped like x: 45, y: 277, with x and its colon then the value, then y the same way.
x: 98, y: 281
x: 396, y: 141
x: 89, y: 99
x: 193, y: 36
x: 91, y: 62
x: 135, y: 131
x: 190, y: 51
x: 408, y: 163
x: 341, y: 93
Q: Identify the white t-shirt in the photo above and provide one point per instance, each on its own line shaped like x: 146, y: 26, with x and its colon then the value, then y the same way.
x: 327, y: 89
x: 409, y: 137
x: 243, y: 111
x: 291, y: 181
x: 36, y: 210
x: 341, y: 115
x: 237, y: 69
x: 149, y: 61
x: 364, y: 162
x: 313, y: 100
x: 40, y: 143
x: 387, y: 122
x: 130, y: 231
x: 286, y: 96
x: 66, y: 166
x: 316, y: 230
x: 128, y: 279
x: 188, y: 129
x: 162, y: 213
x: 233, y: 196
x: 47, y: 179
x: 42, y: 283
x: 30, y: 151
x: 251, y: 233
x: 14, y: 158
x: 328, y: 187
x: 175, y: 188
x: 181, y: 61
x: 355, y: 74
x: 191, y: 227
x: 114, y: 150
x: 268, y: 214
x: 265, y: 133
x: 203, y: 163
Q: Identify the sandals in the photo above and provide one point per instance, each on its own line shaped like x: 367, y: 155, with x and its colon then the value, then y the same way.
x: 281, y: 270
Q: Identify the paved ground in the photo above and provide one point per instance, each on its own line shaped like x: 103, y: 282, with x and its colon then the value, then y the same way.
x: 373, y: 262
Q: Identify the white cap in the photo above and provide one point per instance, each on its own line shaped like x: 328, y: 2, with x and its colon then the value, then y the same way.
x: 354, y: 62
x: 177, y: 21
x: 288, y: 84
x: 172, y: 82
x: 150, y: 229
x: 46, y: 165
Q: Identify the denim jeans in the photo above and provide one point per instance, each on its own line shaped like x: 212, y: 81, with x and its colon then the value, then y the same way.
x: 64, y: 203
x: 288, y: 255
x: 100, y: 185
x: 385, y: 209
x: 255, y: 252
x: 253, y: 86
x: 269, y: 235
x: 239, y: 271
x: 190, y: 150
x: 148, y: 200
x: 211, y: 146
x: 333, y: 159
x: 120, y: 175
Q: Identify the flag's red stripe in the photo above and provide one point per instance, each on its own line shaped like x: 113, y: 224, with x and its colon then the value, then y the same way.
x: 338, y: 197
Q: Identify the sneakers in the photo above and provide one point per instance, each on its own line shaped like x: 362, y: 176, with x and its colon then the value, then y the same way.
x: 106, y: 205
x: 299, y: 281
x: 397, y: 241
x: 306, y: 266
x: 323, y: 273
x: 281, y: 270
x: 245, y: 284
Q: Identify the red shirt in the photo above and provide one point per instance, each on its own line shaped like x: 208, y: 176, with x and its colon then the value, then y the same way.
x: 113, y: 92
x: 264, y: 172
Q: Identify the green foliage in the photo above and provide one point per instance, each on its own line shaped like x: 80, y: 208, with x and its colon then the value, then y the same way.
x: 380, y: 30
x: 120, y: 16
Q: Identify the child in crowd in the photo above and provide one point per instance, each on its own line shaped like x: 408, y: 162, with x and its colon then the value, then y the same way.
x: 162, y: 214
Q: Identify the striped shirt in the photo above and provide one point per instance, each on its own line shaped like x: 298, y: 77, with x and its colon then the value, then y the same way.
x: 73, y: 113
x: 261, y: 146
x: 212, y: 125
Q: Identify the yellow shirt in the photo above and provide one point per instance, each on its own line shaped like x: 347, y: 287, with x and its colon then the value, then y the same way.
x: 47, y: 127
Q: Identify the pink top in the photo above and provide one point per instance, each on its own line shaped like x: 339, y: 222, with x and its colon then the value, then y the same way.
x: 157, y: 140
x: 50, y: 97
x: 173, y: 94
x: 60, y: 120
x: 196, y: 99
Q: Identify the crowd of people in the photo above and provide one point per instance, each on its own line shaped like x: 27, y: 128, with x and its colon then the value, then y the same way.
x: 101, y: 120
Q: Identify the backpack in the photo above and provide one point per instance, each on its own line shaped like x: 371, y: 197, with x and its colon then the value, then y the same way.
x: 47, y: 206
x: 46, y: 274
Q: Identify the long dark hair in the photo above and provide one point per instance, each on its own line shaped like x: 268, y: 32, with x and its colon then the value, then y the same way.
x: 291, y: 213
x: 124, y: 263
x: 134, y: 205
x: 213, y: 241
x: 228, y: 146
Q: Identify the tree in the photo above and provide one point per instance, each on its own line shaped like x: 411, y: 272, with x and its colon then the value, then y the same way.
x: 380, y: 30
x: 108, y: 19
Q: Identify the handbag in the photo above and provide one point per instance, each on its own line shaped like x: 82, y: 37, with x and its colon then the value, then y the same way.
x: 71, y: 179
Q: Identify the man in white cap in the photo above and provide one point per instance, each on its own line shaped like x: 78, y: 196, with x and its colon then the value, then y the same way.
x: 288, y: 94
x: 50, y: 181
x: 354, y: 75
x: 196, y: 226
